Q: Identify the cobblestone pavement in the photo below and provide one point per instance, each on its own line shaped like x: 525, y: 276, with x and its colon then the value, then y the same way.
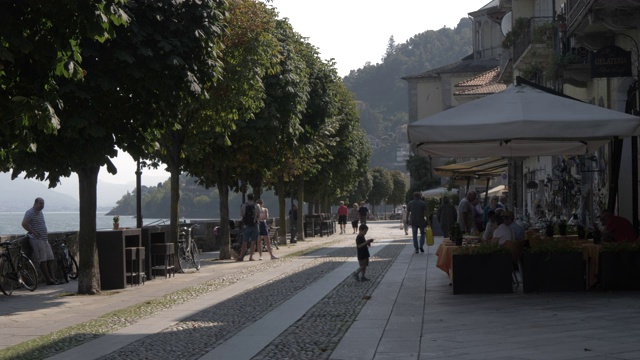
x: 312, y: 337
x: 50, y: 312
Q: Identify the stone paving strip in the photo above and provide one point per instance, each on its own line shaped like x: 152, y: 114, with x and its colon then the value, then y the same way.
x: 214, y: 326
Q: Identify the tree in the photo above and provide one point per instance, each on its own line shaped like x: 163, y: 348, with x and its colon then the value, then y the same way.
x: 40, y: 42
x: 398, y: 194
x: 382, y: 186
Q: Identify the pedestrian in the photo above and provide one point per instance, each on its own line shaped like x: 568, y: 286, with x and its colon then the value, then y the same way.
x: 33, y: 222
x: 293, y: 222
x: 249, y: 211
x: 343, y: 211
x: 362, y: 246
x: 363, y: 211
x: 263, y: 227
x: 354, y: 217
x: 446, y: 215
x: 466, y: 213
x: 404, y: 223
x: 417, y: 209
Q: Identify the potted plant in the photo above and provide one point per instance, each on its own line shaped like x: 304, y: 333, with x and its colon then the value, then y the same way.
x: 455, y: 233
x: 553, y: 265
x: 482, y: 269
x: 562, y: 227
x: 620, y: 266
x: 116, y: 222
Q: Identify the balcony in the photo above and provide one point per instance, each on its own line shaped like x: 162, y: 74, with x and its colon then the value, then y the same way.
x: 589, y: 16
x: 535, y: 40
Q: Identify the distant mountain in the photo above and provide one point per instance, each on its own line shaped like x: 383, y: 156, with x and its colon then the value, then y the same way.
x: 20, y: 193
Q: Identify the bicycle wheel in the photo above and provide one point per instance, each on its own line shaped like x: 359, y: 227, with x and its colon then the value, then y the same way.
x: 184, y: 258
x: 6, y: 283
x: 73, y: 268
x: 62, y: 268
x: 274, y: 242
x: 195, y: 256
x: 27, y: 273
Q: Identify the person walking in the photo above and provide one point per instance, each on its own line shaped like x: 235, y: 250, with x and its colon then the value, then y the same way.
x: 466, y: 213
x: 343, y: 211
x: 354, y: 217
x: 263, y: 227
x: 33, y: 222
x: 362, y: 246
x: 293, y: 222
x: 363, y: 211
x: 417, y: 209
x: 446, y: 215
x: 404, y: 218
x: 249, y: 211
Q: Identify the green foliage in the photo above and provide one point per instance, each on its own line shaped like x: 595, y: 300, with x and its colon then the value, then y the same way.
x: 397, y: 195
x: 382, y: 185
x: 382, y: 94
x: 553, y: 246
x: 626, y: 246
x: 520, y: 25
x: 481, y: 249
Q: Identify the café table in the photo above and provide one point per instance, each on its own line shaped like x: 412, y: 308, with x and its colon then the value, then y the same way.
x: 445, y: 253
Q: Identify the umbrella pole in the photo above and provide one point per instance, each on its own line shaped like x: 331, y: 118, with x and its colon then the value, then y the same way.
x: 486, y: 192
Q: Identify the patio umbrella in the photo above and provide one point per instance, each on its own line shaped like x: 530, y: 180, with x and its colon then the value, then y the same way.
x: 520, y: 121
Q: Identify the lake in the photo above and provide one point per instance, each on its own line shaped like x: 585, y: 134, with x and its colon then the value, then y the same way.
x: 10, y: 222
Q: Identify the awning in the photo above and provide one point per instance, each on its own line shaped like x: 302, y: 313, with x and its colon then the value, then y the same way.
x: 438, y: 192
x: 485, y: 167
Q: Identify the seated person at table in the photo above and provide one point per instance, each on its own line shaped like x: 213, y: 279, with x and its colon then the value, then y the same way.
x: 617, y: 228
x: 509, y: 220
x: 492, y: 225
x: 503, y: 233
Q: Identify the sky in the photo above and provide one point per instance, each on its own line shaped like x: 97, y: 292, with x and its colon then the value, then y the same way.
x: 352, y: 32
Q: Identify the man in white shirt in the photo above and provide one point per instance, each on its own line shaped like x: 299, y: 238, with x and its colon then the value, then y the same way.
x: 503, y: 233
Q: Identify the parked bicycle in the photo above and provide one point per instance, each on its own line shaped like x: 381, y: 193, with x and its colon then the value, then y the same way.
x: 16, y: 270
x: 67, y: 264
x: 188, y: 254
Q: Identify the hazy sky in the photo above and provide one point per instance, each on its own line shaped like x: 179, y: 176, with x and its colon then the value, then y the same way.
x: 352, y: 32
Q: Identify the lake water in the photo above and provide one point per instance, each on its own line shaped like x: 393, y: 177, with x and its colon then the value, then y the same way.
x: 10, y: 222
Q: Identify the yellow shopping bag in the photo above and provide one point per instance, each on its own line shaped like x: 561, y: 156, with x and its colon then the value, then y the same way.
x: 429, y: 236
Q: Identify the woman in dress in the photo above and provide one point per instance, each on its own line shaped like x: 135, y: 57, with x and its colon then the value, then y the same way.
x: 264, y: 230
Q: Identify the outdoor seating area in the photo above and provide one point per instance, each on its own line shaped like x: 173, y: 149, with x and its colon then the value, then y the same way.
x: 555, y: 264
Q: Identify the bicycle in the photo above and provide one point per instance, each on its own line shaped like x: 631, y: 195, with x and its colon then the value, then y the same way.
x: 188, y: 255
x: 273, y: 238
x: 65, y: 261
x: 16, y: 269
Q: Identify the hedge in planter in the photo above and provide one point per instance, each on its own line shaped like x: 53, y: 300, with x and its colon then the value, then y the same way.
x: 483, y: 269
x: 620, y: 266
x: 553, y: 265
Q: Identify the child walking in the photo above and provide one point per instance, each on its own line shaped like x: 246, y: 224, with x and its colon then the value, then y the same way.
x: 363, y: 252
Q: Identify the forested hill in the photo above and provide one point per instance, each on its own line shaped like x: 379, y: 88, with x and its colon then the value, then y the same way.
x: 382, y: 91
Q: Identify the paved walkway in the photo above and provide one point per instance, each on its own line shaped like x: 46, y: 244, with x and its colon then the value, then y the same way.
x: 410, y: 313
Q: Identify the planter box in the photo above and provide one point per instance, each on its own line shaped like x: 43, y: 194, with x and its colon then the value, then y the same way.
x: 620, y: 270
x: 482, y: 274
x: 553, y: 272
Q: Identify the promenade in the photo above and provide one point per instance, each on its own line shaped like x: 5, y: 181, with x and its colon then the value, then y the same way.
x: 306, y: 305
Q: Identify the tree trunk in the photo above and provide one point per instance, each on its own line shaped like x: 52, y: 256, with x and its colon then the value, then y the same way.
x: 89, y: 270
x: 282, y: 214
x: 300, y: 225
x: 223, y: 191
x: 174, y: 227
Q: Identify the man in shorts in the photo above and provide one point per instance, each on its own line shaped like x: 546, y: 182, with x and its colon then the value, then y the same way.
x: 249, y: 211
x: 36, y: 227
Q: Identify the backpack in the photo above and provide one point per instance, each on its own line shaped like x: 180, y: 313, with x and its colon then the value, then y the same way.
x: 249, y: 217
